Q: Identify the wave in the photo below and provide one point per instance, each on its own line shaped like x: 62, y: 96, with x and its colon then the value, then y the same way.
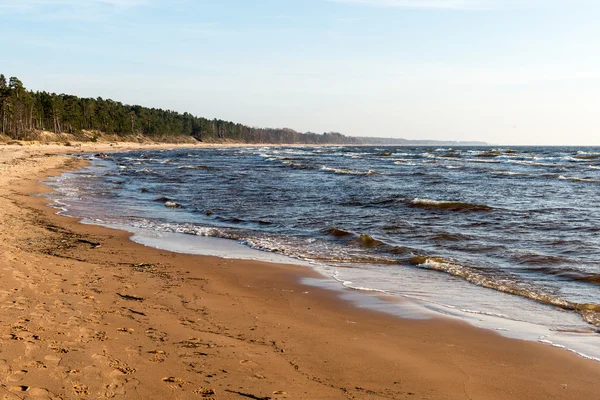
x: 172, y: 204
x: 511, y: 173
x: 533, y: 163
x: 538, y: 259
x: 589, y: 312
x: 344, y: 171
x: 368, y: 241
x: 576, y: 179
x: 236, y: 220
x: 568, y: 273
x: 144, y: 170
x: 587, y: 157
x: 193, y: 167
x: 449, y: 205
x: 401, y: 162
x: 350, y: 285
x: 338, y: 232
x: 451, y: 154
x: 449, y: 237
x: 297, y: 165
x: 490, y: 154
x: 187, y: 229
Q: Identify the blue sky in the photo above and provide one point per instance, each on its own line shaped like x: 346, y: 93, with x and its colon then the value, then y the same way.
x: 503, y: 71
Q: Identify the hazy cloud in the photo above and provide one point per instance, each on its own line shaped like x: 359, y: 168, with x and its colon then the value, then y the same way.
x: 467, y: 4
x: 40, y: 5
x: 435, y: 4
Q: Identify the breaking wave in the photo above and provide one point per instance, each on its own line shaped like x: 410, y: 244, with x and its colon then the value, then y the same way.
x: 508, y: 284
x: 448, y: 205
x: 344, y: 171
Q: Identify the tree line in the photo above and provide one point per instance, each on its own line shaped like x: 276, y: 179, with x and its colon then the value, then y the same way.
x: 23, y: 111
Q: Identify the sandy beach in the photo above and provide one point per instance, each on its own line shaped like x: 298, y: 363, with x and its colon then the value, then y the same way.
x: 88, y: 314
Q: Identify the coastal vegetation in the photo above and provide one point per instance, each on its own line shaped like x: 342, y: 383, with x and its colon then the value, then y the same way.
x: 31, y: 115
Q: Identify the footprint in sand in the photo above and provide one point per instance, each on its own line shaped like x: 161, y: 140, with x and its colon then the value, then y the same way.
x: 158, y: 356
x: 204, y: 392
x: 40, y: 393
x: 53, y: 360
x: 22, y: 388
x: 17, y: 376
x: 174, y: 383
x: 5, y: 369
x: 80, y: 389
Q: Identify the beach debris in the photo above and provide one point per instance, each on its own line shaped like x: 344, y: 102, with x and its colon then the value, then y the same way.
x: 248, y: 395
x: 142, y: 266
x: 130, y: 297
x: 172, y: 204
x: 94, y: 245
x: 102, y: 155
x: 208, y: 212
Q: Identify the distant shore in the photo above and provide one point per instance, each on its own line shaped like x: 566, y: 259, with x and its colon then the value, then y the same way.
x: 90, y: 314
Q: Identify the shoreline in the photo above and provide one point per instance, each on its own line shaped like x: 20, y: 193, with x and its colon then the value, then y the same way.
x: 491, y: 309
x: 270, y: 333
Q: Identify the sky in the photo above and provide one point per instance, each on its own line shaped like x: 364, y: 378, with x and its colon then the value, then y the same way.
x: 501, y: 71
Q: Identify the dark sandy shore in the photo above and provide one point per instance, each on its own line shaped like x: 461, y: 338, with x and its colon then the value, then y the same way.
x: 86, y: 313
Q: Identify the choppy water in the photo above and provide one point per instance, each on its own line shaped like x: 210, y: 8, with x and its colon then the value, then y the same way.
x: 428, y: 223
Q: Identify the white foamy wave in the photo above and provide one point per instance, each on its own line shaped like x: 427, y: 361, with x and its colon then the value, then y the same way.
x: 350, y: 285
x: 560, y: 346
x: 193, y: 167
x: 427, y: 201
x: 405, y: 162
x: 344, y: 171
x: 466, y: 310
x: 483, y: 161
x: 187, y: 229
x: 449, y: 205
x: 576, y: 179
x: 508, y: 173
x: 532, y: 163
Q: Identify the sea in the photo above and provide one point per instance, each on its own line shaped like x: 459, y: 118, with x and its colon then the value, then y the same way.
x: 505, y: 238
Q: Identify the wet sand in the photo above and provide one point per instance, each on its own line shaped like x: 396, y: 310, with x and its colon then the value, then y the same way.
x: 86, y: 313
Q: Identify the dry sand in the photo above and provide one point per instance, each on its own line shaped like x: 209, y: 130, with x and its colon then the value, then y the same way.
x: 86, y: 313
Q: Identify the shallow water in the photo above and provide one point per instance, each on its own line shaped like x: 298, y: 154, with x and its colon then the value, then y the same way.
x: 508, y: 232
